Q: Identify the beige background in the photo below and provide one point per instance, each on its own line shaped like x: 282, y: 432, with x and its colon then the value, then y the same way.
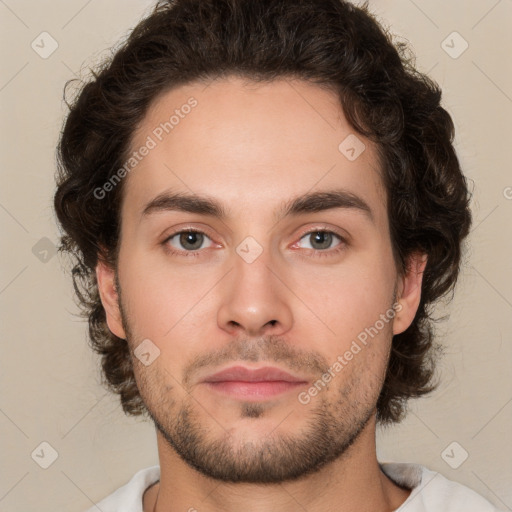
x: 50, y: 388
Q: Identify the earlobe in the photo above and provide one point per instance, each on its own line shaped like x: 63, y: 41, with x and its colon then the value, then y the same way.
x: 409, y: 292
x: 105, y: 276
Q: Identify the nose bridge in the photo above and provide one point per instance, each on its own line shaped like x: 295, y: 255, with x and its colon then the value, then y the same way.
x: 254, y: 301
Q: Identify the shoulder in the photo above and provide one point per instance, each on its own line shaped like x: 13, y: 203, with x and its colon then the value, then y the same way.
x: 128, y: 498
x: 431, y: 491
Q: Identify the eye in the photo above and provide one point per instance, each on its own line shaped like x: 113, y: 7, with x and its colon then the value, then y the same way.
x: 188, y: 240
x: 320, y: 240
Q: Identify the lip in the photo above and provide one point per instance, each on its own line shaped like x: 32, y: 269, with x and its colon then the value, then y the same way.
x: 243, y: 374
x: 253, y: 384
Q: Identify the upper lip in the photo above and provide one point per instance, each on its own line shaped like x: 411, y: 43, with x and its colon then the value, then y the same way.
x: 241, y: 373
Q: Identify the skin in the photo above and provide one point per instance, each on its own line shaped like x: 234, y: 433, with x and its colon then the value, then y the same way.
x: 298, y: 305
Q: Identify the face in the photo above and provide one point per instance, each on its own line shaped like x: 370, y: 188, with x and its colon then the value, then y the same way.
x: 251, y: 238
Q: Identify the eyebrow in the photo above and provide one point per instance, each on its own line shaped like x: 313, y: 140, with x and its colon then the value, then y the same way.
x: 307, y: 203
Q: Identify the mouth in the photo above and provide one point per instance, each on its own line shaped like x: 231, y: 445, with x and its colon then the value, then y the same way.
x: 253, y: 384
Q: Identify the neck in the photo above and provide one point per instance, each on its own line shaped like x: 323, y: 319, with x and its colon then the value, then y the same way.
x: 351, y: 483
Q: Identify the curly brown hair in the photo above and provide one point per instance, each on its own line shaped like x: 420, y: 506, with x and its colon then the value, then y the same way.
x: 331, y: 43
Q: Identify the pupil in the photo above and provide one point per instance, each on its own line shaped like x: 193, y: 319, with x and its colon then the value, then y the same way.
x: 194, y: 239
x: 323, y: 239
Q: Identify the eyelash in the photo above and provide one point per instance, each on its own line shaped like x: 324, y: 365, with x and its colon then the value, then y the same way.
x: 187, y: 254
x: 318, y: 253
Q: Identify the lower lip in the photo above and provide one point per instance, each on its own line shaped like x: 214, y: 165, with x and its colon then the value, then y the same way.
x: 254, y: 390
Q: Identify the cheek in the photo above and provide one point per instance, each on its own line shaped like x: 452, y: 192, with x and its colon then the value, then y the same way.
x: 164, y: 306
x: 349, y: 297
x: 161, y: 298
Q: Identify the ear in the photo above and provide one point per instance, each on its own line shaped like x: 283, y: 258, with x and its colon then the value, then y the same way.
x: 105, y: 276
x: 409, y: 292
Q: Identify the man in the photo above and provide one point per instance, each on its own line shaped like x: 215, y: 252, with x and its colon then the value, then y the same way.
x: 263, y: 201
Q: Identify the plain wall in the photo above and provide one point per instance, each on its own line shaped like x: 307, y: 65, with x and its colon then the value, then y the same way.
x: 50, y: 380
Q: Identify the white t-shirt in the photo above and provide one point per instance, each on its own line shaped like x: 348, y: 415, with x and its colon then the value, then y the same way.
x: 431, y: 492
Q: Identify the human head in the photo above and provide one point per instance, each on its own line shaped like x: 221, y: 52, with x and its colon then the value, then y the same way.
x: 329, y: 43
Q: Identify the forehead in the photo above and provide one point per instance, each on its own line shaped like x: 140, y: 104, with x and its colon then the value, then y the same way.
x: 250, y: 144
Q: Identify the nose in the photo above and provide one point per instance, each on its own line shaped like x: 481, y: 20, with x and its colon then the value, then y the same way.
x: 254, y: 302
